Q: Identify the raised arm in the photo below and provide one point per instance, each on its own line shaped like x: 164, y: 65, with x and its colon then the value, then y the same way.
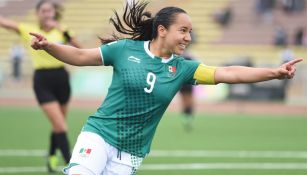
x: 67, y: 54
x: 241, y: 74
x: 9, y: 24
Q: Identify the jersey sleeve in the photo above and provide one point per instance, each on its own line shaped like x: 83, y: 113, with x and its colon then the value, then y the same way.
x: 204, y: 74
x: 110, y: 52
x: 24, y: 30
x: 190, y: 67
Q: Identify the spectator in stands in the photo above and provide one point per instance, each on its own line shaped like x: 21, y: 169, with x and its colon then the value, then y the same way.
x: 290, y: 6
x: 17, y: 54
x: 298, y: 38
x: 263, y: 6
x: 287, y: 54
x: 264, y: 9
x: 223, y: 16
x: 280, y: 36
x: 51, y: 80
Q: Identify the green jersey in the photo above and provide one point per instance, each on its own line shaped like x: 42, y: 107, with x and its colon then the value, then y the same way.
x: 142, y: 87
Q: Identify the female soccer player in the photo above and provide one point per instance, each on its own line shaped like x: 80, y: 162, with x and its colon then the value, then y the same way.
x: 51, y: 80
x: 147, y: 73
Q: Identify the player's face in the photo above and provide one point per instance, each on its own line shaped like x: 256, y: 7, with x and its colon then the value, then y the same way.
x: 178, y: 35
x: 46, y: 12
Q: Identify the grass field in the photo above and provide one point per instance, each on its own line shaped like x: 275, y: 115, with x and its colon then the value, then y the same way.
x: 219, y: 144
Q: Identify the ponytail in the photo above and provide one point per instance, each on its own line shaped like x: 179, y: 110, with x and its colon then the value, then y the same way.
x: 140, y: 24
x: 138, y: 21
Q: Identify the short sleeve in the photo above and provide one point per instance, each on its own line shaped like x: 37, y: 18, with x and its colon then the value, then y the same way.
x: 110, y: 52
x: 24, y: 32
x: 190, y: 67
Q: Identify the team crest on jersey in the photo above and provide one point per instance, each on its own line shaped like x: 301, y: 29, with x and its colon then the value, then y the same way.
x: 85, y: 152
x: 171, y: 71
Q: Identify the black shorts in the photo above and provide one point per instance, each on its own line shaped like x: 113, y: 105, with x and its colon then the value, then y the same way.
x: 186, y: 89
x: 51, y: 85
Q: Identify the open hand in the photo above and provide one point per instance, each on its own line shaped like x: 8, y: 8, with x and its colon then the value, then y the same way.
x: 39, y: 42
x: 287, y: 70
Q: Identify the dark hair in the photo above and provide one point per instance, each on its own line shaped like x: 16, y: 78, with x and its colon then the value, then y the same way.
x: 141, y: 25
x: 58, y: 8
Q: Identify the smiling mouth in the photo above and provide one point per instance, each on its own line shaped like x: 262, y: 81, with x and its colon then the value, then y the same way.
x: 182, y: 46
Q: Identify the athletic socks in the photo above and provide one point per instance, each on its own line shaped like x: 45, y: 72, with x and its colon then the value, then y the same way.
x: 188, y: 119
x: 62, y: 143
x: 53, y: 145
x: 188, y: 111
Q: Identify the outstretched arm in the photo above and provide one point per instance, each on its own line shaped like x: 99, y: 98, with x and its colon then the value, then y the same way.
x: 9, y: 24
x: 67, y: 54
x: 241, y: 74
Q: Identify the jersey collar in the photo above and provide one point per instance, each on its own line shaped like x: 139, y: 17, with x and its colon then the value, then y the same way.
x: 163, y: 60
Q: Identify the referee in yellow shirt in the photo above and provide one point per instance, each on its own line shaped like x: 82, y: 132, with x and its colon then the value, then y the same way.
x: 51, y: 80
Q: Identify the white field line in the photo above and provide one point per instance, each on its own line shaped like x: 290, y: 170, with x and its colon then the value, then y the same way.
x: 22, y: 153
x: 187, y: 166
x: 230, y: 154
x: 181, y: 153
x: 7, y: 170
x: 219, y: 166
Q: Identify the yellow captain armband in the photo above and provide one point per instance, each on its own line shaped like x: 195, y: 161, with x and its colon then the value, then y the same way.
x: 204, y: 74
